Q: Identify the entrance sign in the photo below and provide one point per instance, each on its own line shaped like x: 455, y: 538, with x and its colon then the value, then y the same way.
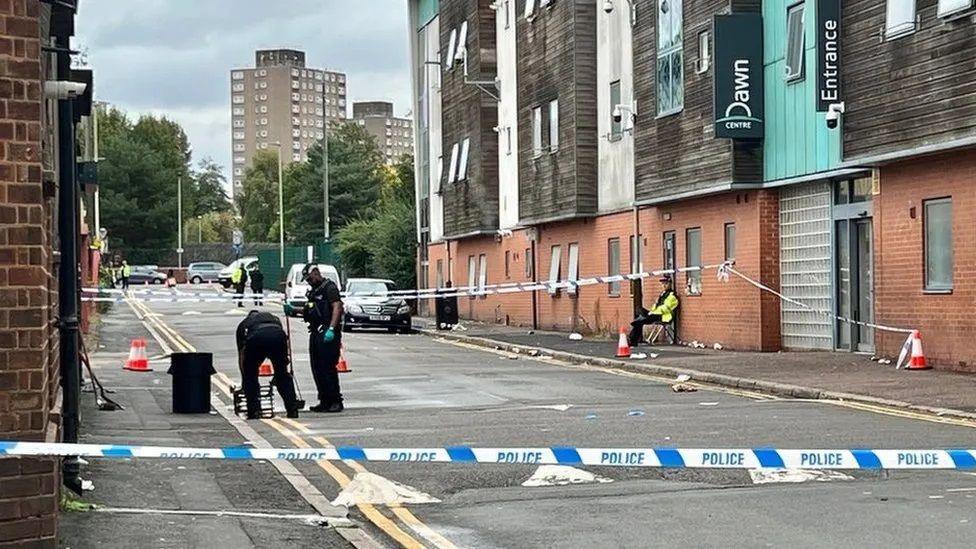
x: 828, y: 53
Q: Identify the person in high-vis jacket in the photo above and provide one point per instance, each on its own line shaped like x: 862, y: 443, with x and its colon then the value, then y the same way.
x: 662, y: 313
x: 239, y: 279
x: 126, y: 273
x: 259, y: 337
x: 323, y: 314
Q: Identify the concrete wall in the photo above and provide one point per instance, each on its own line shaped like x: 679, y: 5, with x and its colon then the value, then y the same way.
x: 508, y: 184
x: 615, y: 61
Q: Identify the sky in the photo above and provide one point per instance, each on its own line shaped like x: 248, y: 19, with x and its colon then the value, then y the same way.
x: 173, y: 57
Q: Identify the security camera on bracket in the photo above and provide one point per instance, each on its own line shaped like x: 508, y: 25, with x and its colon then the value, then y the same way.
x: 834, y: 110
x: 608, y: 9
x: 619, y: 110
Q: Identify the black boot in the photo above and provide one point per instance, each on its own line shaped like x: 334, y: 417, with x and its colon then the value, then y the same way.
x: 335, y: 408
x: 320, y: 407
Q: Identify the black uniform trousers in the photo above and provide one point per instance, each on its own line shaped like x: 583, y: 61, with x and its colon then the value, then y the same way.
x: 272, y: 344
x: 637, y: 326
x: 325, y: 357
x: 240, y: 289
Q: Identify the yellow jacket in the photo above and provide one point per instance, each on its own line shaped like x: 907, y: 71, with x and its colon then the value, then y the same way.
x: 667, y: 302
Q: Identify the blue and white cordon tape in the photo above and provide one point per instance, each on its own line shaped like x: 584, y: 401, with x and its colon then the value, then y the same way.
x: 718, y: 458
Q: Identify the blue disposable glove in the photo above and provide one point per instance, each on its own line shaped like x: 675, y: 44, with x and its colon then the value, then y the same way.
x: 329, y: 335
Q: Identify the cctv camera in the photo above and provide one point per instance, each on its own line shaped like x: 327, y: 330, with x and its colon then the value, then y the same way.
x: 608, y: 6
x: 617, y: 114
x: 834, y: 110
x: 496, y: 129
x: 64, y: 89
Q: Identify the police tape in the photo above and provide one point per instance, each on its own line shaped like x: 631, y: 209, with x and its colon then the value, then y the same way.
x: 181, y: 299
x: 669, y: 458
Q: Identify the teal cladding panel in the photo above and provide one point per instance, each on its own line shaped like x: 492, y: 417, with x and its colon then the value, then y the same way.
x: 797, y: 139
x: 426, y: 11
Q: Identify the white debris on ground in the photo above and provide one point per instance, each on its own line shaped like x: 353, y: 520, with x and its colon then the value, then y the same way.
x: 696, y: 344
x: 556, y: 407
x: 771, y: 476
x: 654, y: 355
x: 562, y: 475
x: 683, y: 378
x: 191, y: 313
x: 372, y: 488
x: 575, y: 336
x: 638, y: 356
x: 458, y: 328
x: 717, y: 346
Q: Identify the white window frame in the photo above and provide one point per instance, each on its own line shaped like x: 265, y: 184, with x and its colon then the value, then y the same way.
x: 482, y: 273
x: 451, y: 49
x: 668, y: 54
x: 555, y: 257
x: 554, y: 125
x: 529, y: 10
x: 452, y: 169
x: 537, y: 132
x: 508, y: 140
x: 704, y: 51
x: 462, y: 44
x: 237, y: 75
x: 463, y: 161
x: 927, y: 285
x: 948, y: 8
x: 472, y: 274
x: 573, y: 268
x: 793, y: 41
x: 900, y: 18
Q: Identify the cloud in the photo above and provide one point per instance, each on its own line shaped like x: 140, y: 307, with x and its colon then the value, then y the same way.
x: 174, y: 57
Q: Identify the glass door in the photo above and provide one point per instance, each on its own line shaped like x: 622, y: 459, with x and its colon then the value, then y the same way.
x: 855, y: 283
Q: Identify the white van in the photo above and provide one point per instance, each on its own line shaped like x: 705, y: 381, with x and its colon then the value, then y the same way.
x: 228, y: 271
x: 296, y: 288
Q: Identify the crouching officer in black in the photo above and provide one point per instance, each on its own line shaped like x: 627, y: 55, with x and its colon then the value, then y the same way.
x: 260, y: 336
x: 323, y: 313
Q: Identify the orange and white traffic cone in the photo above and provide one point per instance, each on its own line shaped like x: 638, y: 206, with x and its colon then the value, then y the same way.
x: 917, y: 362
x: 623, y: 346
x: 265, y: 369
x: 342, y: 367
x: 138, y: 361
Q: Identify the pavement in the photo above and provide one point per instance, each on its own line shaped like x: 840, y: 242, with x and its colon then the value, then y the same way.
x: 829, y: 375
x: 418, y: 391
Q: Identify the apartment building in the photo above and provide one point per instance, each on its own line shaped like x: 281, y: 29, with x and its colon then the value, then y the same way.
x: 393, y: 135
x: 281, y: 101
x: 830, y: 163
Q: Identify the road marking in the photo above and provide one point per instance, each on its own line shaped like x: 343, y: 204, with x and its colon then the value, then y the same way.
x: 312, y: 520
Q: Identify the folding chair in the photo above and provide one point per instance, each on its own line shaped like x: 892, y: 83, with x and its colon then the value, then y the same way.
x: 667, y: 329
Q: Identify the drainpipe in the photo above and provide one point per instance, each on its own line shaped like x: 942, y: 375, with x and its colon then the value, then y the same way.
x: 535, y: 278
x: 68, y: 286
x: 636, y: 286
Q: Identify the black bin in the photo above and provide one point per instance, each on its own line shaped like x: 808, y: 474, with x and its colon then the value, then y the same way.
x: 191, y: 382
x: 447, y: 311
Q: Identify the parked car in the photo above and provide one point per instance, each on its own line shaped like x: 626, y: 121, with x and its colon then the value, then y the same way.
x: 296, y: 288
x: 224, y: 276
x: 204, y: 271
x: 374, y: 307
x: 146, y: 274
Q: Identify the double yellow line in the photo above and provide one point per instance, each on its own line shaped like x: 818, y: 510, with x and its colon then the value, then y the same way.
x: 300, y: 435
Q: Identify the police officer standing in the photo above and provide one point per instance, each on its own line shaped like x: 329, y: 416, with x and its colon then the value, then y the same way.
x: 260, y: 337
x: 323, y: 313
x: 126, y: 273
x: 239, y: 279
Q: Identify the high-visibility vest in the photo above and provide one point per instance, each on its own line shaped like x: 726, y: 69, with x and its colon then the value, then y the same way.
x: 126, y: 271
x: 235, y: 277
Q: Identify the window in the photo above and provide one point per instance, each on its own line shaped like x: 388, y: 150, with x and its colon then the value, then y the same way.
x: 554, y: 125
x: 952, y: 7
x: 613, y: 265
x: 636, y: 259
x: 238, y: 123
x: 472, y: 274
x: 264, y: 86
x: 463, y: 163
x: 483, y: 275
x: 238, y: 99
x: 238, y: 87
x: 573, y: 268
x: 938, y: 244
x: 537, y: 131
x: 693, y: 243
x: 239, y: 160
x: 237, y: 75
x: 452, y: 167
x: 670, y: 58
x: 508, y: 13
x: 462, y: 43
x: 238, y: 147
x: 238, y: 111
x: 730, y: 241
x: 704, y: 52
x: 507, y: 259
x: 451, y: 49
x: 795, y: 43
x: 529, y: 9
x: 508, y: 140
x: 899, y: 18
x: 616, y: 126
x: 529, y: 264
x: 554, y: 268
x: 238, y: 135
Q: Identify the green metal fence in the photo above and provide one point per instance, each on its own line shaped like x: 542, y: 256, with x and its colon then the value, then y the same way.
x: 274, y: 274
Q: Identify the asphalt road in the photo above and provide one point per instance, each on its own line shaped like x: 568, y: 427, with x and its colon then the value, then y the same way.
x: 413, y: 390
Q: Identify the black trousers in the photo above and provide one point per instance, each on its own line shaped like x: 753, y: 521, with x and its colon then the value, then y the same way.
x: 637, y: 326
x: 257, y: 291
x: 271, y: 344
x: 125, y: 283
x: 324, y: 358
x: 239, y: 290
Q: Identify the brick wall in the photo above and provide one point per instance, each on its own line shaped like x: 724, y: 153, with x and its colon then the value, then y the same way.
x: 733, y: 313
x: 28, y: 284
x: 945, y: 320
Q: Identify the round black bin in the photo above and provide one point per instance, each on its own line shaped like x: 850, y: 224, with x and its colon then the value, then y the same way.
x: 191, y: 382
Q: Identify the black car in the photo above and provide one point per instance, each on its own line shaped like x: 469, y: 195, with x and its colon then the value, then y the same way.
x: 369, y: 305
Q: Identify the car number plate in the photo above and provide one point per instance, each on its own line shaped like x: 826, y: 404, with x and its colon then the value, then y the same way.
x: 381, y: 318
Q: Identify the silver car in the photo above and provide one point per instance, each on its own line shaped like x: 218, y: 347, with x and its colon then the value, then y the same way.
x: 203, y: 271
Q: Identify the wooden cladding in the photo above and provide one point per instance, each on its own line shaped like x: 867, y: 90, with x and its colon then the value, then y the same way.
x: 471, y: 204
x: 557, y: 62
x: 902, y: 93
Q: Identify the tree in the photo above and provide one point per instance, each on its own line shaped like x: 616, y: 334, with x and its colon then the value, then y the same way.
x: 208, y: 190
x: 258, y: 202
x: 210, y: 227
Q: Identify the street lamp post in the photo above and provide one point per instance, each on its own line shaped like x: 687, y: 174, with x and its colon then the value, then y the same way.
x: 179, y: 222
x: 199, y: 229
x: 281, y: 211
x: 325, y: 183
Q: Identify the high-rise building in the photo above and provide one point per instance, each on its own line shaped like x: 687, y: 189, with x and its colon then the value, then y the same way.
x: 393, y: 135
x: 280, y: 100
